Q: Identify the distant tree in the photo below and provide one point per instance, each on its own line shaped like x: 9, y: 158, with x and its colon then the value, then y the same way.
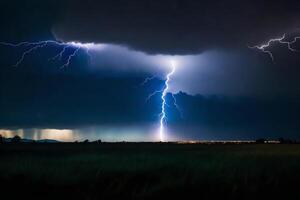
x: 286, y: 141
x: 86, y: 141
x: 16, y: 139
x: 261, y: 141
x: 281, y: 140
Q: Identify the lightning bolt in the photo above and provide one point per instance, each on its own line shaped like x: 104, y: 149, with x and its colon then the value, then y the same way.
x: 163, y: 92
x: 164, y: 104
x: 282, y: 40
x: 163, y: 115
x: 63, y: 46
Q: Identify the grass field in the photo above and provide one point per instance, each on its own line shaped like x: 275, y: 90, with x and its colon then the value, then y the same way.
x: 149, y: 171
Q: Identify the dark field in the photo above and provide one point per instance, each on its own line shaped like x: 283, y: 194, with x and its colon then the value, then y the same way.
x: 149, y: 171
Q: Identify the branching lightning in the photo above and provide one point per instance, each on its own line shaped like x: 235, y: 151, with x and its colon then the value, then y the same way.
x: 68, y: 50
x: 148, y: 79
x: 163, y: 116
x: 164, y: 91
x: 176, y: 105
x: 70, y: 58
x: 153, y: 94
x: 281, y: 40
x: 63, y: 46
x: 60, y: 54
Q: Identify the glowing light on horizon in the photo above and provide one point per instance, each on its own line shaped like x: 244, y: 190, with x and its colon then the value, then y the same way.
x: 105, y: 133
x: 57, y: 134
x: 41, y: 134
x: 11, y: 133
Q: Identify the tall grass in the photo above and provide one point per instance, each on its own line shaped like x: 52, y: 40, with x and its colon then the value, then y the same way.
x: 139, y: 171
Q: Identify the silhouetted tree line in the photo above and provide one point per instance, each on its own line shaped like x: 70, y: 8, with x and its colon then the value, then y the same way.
x: 287, y: 141
x: 261, y: 141
x: 96, y: 141
x: 18, y: 139
x: 280, y: 140
x: 15, y: 139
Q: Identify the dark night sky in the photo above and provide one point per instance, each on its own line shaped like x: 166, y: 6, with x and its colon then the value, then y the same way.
x: 224, y: 89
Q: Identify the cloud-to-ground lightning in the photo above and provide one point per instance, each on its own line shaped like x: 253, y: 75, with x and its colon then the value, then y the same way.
x: 163, y: 116
x: 63, y: 46
x: 164, y: 91
x: 282, y: 40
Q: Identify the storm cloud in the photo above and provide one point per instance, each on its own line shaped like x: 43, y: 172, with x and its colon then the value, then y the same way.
x: 224, y: 89
x: 177, y: 26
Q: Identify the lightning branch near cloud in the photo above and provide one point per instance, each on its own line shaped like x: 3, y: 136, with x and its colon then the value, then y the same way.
x: 281, y: 40
x: 74, y: 47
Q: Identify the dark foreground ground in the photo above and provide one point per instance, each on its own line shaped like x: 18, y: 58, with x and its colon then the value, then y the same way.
x: 149, y: 171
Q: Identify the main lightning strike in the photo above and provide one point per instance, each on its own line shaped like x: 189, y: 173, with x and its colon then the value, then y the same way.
x: 281, y: 40
x: 33, y: 46
x: 163, y: 116
x: 164, y: 104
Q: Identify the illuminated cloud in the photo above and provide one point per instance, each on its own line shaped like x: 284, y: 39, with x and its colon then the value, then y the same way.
x: 167, y: 29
